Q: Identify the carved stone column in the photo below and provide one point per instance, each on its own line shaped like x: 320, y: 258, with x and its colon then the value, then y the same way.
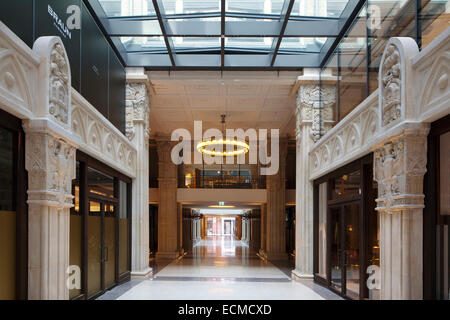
x: 399, y: 168
x: 314, y: 113
x: 276, y: 203
x: 50, y: 162
x: 137, y: 127
x: 167, y: 211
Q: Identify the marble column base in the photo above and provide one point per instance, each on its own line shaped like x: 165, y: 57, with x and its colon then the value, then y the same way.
x: 142, y: 274
x: 297, y: 275
x: 167, y: 255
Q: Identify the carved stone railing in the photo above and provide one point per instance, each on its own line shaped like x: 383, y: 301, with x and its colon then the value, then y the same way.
x: 19, y: 68
x: 349, y: 140
x: 96, y: 136
x: 432, y: 84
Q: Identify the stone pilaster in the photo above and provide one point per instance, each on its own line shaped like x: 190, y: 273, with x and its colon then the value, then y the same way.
x: 399, y: 168
x: 276, y: 202
x: 167, y: 210
x: 400, y: 160
x: 245, y: 229
x: 314, y: 112
x: 137, y: 126
x: 50, y: 162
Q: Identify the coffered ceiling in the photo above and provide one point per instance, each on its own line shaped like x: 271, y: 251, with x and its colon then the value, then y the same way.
x: 259, y: 100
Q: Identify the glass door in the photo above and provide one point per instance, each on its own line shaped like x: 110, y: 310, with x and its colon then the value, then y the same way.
x: 352, y: 252
x: 109, y: 247
x: 101, y: 246
x: 94, y: 248
x: 336, y: 248
x: 344, y: 249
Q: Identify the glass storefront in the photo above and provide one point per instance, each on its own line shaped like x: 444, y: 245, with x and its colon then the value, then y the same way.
x: 7, y: 216
x: 436, y: 222
x: 346, y: 230
x: 13, y: 210
x: 100, y: 227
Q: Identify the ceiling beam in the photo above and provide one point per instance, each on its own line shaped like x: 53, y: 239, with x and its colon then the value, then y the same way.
x: 311, y: 27
x: 165, y: 28
x: 222, y: 32
x: 284, y: 19
x: 346, y: 20
x: 199, y: 61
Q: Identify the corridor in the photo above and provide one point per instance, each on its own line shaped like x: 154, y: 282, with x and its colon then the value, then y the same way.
x: 219, y: 267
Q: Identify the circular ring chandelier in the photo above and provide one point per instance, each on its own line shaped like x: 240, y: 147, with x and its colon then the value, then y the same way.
x: 210, y: 146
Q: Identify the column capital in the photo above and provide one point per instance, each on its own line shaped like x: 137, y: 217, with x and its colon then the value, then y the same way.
x: 137, y: 106
x: 399, y: 166
x: 314, y: 105
x: 50, y: 162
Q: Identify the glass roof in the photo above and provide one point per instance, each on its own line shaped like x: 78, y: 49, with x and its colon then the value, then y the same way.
x: 265, y: 34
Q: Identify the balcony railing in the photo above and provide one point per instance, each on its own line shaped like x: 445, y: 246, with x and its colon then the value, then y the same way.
x: 228, y: 182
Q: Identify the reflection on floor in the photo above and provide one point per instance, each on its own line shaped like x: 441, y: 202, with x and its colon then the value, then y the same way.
x: 219, y: 267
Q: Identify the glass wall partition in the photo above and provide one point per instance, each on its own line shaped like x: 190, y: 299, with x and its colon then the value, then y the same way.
x: 434, y: 17
x: 100, y: 225
x: 353, y: 66
x: 356, y: 59
x: 346, y: 232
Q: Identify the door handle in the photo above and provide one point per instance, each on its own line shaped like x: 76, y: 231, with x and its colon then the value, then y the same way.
x: 105, y: 254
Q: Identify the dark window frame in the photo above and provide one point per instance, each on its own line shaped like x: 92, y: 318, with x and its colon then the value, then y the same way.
x: 431, y: 210
x: 20, y: 187
x: 85, y: 161
x: 365, y: 165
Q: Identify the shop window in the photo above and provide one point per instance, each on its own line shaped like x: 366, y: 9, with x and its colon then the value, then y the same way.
x: 99, y: 227
x: 124, y: 243
x: 7, y: 217
x: 76, y: 227
x: 346, y: 230
x: 322, y: 230
x: 346, y: 186
x: 100, y: 183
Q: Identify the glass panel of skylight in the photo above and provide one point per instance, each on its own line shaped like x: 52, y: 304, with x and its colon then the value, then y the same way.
x: 125, y: 8
x: 318, y: 8
x: 261, y: 43
x: 291, y: 44
x: 196, y: 43
x: 196, y: 6
x: 254, y: 6
x: 147, y: 44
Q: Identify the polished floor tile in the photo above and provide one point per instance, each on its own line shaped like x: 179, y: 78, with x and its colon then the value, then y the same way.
x: 219, y: 267
x: 220, y: 290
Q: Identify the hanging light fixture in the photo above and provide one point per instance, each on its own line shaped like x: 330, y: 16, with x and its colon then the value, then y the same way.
x: 210, y: 146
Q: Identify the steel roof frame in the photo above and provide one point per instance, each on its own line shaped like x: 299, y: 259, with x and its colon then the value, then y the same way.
x: 275, y: 26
